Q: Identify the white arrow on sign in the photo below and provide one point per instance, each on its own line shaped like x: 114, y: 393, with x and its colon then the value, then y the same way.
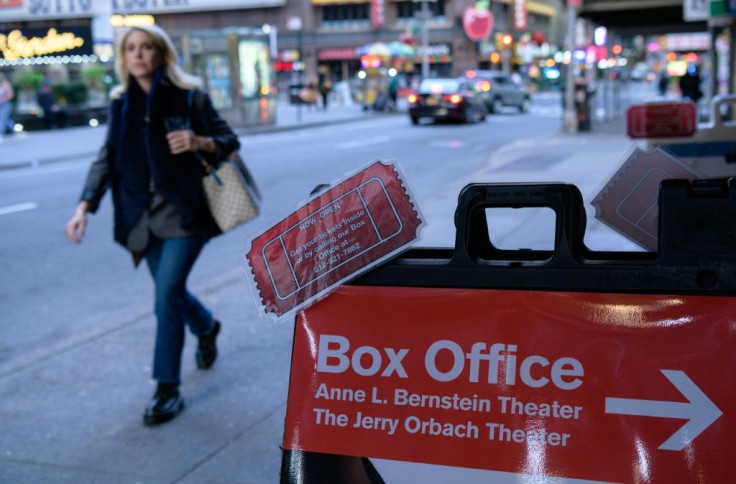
x: 699, y: 410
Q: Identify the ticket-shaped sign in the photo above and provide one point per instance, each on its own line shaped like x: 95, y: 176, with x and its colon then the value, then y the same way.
x: 628, y: 201
x: 345, y: 231
x: 661, y: 120
x: 604, y: 387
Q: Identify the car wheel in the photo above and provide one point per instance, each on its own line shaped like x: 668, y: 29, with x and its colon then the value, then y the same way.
x: 414, y: 120
x: 496, y: 106
x: 468, y: 116
x: 525, y: 105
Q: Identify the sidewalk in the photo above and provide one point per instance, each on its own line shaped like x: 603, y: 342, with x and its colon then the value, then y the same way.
x: 42, y: 147
x: 72, y: 416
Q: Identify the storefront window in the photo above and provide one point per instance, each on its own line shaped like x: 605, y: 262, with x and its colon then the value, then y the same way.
x: 350, y: 15
x: 406, y: 11
x: 218, y: 81
x: 255, y: 69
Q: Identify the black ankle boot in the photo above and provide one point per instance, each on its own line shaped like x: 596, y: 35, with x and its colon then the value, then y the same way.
x: 207, y: 348
x: 164, y: 406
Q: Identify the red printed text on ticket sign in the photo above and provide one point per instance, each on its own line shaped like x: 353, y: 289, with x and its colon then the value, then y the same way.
x: 335, y: 236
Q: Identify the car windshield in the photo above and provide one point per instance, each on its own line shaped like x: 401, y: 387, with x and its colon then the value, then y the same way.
x: 438, y: 86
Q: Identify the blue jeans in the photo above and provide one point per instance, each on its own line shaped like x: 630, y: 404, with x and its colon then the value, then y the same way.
x: 6, y: 124
x: 169, y: 261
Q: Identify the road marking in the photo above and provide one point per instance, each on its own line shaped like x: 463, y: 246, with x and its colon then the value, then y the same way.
x: 447, y: 144
x: 363, y: 142
x: 44, y: 169
x: 21, y: 207
x: 699, y: 410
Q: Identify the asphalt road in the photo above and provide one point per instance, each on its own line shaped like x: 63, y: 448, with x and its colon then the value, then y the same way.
x: 55, y: 291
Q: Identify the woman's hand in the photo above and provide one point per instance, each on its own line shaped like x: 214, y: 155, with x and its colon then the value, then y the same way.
x: 185, y: 140
x: 76, y: 225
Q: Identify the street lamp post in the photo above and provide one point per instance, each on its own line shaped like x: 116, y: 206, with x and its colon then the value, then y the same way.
x: 570, y: 121
x: 424, y: 15
x: 295, y: 24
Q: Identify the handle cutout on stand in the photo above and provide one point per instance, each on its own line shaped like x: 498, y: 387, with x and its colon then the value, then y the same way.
x: 522, y: 228
x: 477, y: 239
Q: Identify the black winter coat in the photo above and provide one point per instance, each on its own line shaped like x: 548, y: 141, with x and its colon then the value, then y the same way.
x: 136, y: 155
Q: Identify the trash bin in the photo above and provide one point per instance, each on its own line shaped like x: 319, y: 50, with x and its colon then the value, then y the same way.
x: 582, y: 106
x: 294, y: 90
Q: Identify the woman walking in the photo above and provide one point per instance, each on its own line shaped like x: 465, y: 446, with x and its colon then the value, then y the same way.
x: 6, y: 106
x: 159, y: 209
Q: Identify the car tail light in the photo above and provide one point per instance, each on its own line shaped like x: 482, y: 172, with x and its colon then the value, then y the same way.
x: 412, y: 98
x: 454, y: 98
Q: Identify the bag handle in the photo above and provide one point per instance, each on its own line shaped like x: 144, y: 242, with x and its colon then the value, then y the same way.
x: 207, y: 167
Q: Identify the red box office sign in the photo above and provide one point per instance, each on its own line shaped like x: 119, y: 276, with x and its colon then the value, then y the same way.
x: 551, y: 383
x: 460, y: 369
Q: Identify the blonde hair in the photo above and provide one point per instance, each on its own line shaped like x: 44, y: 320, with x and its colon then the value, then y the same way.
x: 168, y: 53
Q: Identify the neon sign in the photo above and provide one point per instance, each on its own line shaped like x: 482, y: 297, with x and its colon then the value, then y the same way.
x: 15, y: 45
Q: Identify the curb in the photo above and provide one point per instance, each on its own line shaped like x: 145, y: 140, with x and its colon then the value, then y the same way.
x: 256, y: 130
x: 44, y: 161
x: 244, y: 131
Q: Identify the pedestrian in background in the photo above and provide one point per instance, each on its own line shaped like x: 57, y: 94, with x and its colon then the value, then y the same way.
x: 393, y: 89
x: 159, y: 208
x: 308, y: 94
x: 6, y: 106
x: 664, y: 83
x: 690, y: 84
x: 325, y: 86
x: 54, y: 115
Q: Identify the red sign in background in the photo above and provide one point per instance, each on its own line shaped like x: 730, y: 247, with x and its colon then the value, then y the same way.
x: 336, y: 235
x: 611, y: 387
x: 661, y: 120
x: 520, y: 15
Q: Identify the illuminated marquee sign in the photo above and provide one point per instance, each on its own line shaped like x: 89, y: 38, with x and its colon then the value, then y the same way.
x: 35, y: 42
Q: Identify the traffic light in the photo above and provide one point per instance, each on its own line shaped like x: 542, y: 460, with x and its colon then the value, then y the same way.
x: 504, y: 40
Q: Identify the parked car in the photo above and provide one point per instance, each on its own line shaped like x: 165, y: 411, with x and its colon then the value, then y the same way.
x: 446, y: 98
x: 500, y: 90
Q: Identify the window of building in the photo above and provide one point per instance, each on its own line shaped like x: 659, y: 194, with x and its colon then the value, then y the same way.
x: 406, y: 11
x: 348, y: 15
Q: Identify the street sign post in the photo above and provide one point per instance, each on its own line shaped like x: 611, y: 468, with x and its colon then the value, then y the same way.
x: 481, y: 364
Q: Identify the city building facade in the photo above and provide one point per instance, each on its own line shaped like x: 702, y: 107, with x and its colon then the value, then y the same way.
x: 250, y: 50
